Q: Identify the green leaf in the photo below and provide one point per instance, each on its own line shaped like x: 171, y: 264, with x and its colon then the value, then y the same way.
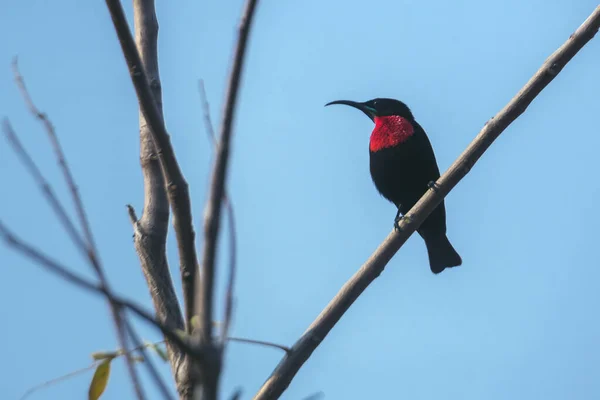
x: 195, y: 322
x: 100, y: 380
x: 158, y: 350
x: 161, y: 353
x: 104, y: 355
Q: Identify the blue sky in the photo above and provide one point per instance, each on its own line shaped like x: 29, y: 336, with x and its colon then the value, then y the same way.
x: 516, y: 320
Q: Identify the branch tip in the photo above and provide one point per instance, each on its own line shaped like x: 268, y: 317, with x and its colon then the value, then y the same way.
x: 132, y: 215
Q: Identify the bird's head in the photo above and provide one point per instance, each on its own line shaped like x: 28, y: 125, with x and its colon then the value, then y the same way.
x: 394, y: 123
x: 380, y: 107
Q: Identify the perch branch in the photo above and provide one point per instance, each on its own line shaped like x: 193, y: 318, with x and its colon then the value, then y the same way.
x: 316, y: 332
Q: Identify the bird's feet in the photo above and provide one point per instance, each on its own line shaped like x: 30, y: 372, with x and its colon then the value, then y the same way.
x: 432, y: 185
x: 397, y: 222
x: 398, y: 219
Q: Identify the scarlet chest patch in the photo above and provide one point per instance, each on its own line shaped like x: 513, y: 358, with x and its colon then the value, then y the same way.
x: 390, y: 131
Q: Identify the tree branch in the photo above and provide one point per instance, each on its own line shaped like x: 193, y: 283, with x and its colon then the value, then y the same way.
x: 68, y: 176
x: 231, y: 216
x: 316, y: 332
x: 149, y: 363
x: 89, y: 249
x: 207, y: 390
x: 65, y: 273
x: 45, y: 187
x: 260, y: 343
x: 53, y: 381
x: 150, y: 231
x: 177, y: 187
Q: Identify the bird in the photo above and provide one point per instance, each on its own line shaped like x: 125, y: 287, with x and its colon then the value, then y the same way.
x: 403, y: 167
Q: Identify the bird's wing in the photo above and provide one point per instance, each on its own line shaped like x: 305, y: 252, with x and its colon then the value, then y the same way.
x: 427, y: 162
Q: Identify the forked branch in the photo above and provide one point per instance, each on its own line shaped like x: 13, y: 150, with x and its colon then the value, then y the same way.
x: 150, y: 231
x: 177, y: 187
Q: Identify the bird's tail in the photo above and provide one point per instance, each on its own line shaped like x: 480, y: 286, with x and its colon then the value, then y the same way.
x: 441, y: 254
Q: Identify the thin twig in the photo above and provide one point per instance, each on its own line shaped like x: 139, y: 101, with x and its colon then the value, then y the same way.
x: 314, y: 396
x: 149, y: 363
x: 237, y: 395
x: 229, y: 299
x: 212, y: 213
x: 208, y: 125
x: 125, y: 340
x: 132, y: 216
x: 114, y: 354
x: 89, y: 249
x: 58, y: 269
x: 372, y: 268
x: 62, y: 161
x: 259, y: 342
x: 207, y: 390
x: 44, y: 185
x: 53, y: 381
x: 232, y: 231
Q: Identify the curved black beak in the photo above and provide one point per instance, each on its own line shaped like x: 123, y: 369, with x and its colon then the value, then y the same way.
x: 369, y: 111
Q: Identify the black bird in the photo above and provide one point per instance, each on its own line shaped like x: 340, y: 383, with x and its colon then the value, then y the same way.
x: 403, y: 168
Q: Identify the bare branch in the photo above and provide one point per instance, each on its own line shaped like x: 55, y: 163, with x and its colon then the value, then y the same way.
x: 314, y: 396
x: 124, y: 339
x: 177, y: 187
x: 260, y: 343
x: 204, y: 297
x: 149, y: 363
x: 89, y: 249
x: 212, y: 213
x: 44, y: 186
x: 232, y: 231
x: 132, y: 215
x: 208, y: 125
x: 150, y: 231
x: 62, y: 271
x: 237, y: 395
x: 109, y: 354
x: 60, y: 156
x: 59, y: 379
x: 316, y: 332
x: 229, y: 300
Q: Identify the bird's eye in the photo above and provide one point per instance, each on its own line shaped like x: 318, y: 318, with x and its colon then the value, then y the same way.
x: 375, y: 102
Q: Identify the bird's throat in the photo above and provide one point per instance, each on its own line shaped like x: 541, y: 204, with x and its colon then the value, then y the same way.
x: 390, y: 131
